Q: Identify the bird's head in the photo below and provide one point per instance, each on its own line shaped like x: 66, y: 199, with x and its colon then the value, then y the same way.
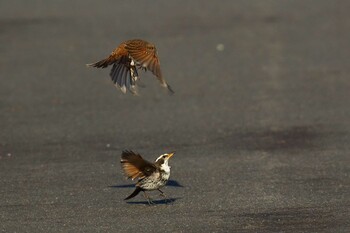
x: 164, y: 158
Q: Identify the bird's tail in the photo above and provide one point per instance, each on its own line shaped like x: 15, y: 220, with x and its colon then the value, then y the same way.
x: 136, y: 191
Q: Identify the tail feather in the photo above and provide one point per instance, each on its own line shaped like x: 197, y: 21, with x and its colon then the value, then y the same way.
x: 136, y: 191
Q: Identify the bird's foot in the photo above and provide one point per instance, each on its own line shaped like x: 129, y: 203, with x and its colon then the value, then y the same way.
x: 150, y: 202
x: 165, y: 197
x: 140, y: 67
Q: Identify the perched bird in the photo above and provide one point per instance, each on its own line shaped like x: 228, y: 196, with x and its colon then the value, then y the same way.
x: 126, y: 58
x: 152, y: 176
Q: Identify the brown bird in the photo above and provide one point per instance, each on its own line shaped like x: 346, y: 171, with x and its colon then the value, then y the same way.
x: 126, y: 58
x: 152, y: 176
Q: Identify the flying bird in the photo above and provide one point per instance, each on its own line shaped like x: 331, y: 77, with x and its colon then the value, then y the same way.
x: 126, y: 59
x: 151, y: 176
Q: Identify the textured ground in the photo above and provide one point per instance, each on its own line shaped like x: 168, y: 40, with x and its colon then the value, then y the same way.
x: 259, y: 120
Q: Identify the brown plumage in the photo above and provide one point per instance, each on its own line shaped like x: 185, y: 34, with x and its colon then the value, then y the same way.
x: 126, y: 58
x: 135, y: 166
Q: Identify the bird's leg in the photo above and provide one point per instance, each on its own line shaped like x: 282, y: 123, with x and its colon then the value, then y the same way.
x: 142, y: 67
x: 150, y: 202
x: 163, y: 195
x: 135, y: 78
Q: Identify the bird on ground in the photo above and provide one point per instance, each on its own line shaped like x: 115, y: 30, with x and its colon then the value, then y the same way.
x: 126, y: 59
x: 151, y: 176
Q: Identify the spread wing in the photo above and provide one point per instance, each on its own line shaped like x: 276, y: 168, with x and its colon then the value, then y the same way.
x: 145, y: 54
x: 114, y: 57
x: 135, y: 166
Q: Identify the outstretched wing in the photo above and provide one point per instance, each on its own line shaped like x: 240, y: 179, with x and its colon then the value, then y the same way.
x: 135, y: 166
x: 103, y: 63
x: 115, y: 56
x: 144, y: 54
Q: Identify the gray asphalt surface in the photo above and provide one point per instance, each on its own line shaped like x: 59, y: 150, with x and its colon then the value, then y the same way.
x: 259, y: 119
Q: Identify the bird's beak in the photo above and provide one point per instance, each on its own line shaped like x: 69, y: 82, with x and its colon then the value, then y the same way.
x: 171, y: 154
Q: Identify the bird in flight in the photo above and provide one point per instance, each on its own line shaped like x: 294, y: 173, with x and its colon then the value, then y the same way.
x: 151, y: 176
x: 126, y: 59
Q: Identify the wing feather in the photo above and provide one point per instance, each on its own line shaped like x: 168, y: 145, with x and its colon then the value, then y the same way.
x: 135, y: 166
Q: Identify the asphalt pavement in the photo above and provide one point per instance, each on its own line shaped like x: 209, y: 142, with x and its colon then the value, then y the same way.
x: 259, y: 119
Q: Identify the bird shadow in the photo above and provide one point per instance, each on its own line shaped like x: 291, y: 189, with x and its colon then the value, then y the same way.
x: 171, y: 183
x: 167, y: 201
